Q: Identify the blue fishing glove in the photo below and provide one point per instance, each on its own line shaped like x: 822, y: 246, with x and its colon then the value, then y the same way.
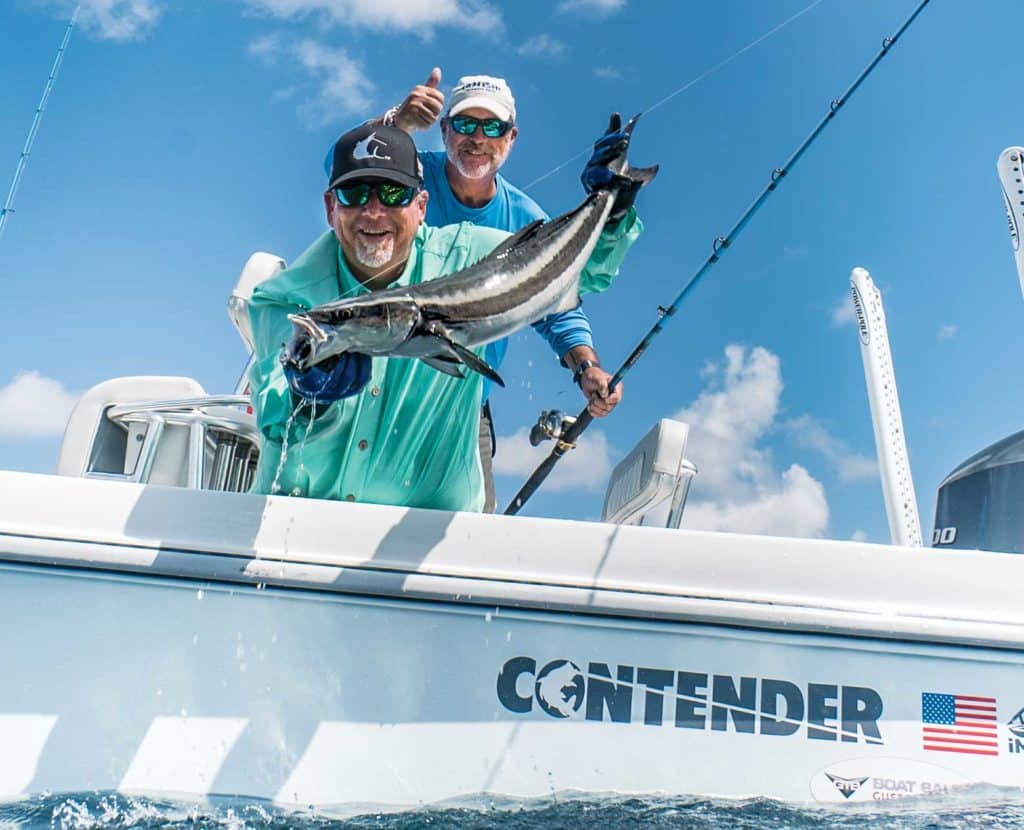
x: 597, y: 176
x: 332, y: 379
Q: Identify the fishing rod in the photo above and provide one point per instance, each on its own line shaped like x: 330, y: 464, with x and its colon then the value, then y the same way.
x: 566, y: 434
x: 8, y: 209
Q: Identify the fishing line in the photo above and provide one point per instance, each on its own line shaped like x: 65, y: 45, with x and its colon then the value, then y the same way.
x: 691, y: 83
x: 567, y: 440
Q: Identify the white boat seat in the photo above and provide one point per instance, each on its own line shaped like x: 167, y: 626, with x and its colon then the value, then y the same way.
x: 655, y: 470
x: 161, y: 430
x: 259, y: 268
x: 167, y: 430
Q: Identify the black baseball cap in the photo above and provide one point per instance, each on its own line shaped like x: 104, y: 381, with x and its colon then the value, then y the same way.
x: 375, y: 152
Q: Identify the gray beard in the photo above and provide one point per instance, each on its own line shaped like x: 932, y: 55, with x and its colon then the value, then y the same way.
x: 375, y: 254
x: 475, y: 172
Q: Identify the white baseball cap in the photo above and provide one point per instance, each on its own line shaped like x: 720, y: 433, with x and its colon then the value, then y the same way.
x: 491, y: 94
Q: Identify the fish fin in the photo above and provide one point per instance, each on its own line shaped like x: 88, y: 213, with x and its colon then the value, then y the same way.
x: 537, y: 230
x: 522, y: 235
x: 456, y: 351
x: 476, y: 364
x: 644, y: 175
x: 448, y: 365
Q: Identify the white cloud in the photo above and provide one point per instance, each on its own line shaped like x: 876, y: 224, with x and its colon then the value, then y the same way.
x: 733, y: 412
x: 113, y: 19
x: 599, y: 7
x: 34, y: 406
x: 541, y: 45
x: 587, y: 467
x: 947, y: 332
x: 419, y: 16
x: 737, y: 487
x: 285, y: 93
x: 796, y: 506
x: 608, y: 73
x: 342, y: 85
x: 266, y: 48
x: 809, y: 433
x: 859, y: 536
x: 335, y: 84
x: 843, y: 313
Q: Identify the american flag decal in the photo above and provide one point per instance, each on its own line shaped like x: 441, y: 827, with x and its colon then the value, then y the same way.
x: 959, y: 723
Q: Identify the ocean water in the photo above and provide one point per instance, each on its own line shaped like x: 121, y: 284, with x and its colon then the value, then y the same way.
x: 979, y: 808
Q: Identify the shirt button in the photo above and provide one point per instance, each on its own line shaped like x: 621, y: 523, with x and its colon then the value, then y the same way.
x: 375, y: 391
x: 364, y: 444
x: 350, y: 497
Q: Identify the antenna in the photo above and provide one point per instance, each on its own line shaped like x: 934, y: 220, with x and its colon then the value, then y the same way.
x: 8, y: 208
x: 890, y: 442
x: 1010, y: 164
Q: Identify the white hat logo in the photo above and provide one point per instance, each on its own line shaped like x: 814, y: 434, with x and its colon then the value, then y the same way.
x: 368, y: 149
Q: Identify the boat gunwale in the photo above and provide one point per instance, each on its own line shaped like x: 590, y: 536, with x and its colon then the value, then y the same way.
x: 620, y: 603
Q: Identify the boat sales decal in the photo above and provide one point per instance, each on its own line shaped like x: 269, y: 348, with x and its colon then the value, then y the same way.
x: 857, y: 780
x: 691, y: 700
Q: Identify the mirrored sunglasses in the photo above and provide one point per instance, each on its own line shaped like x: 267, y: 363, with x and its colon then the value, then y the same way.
x: 389, y: 194
x: 466, y: 125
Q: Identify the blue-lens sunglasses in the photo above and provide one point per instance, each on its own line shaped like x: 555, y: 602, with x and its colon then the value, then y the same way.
x: 467, y: 124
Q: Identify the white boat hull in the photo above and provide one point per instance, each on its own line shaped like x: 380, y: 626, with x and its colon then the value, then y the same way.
x: 280, y: 676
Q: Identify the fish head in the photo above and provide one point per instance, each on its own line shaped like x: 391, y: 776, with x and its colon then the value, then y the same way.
x: 367, y: 325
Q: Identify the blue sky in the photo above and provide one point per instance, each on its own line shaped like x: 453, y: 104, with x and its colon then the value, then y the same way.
x: 182, y: 137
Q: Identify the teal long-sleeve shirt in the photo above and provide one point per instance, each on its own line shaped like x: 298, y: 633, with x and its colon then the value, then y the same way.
x: 409, y: 438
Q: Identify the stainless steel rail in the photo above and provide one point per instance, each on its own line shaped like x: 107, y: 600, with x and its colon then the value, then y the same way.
x: 222, y: 449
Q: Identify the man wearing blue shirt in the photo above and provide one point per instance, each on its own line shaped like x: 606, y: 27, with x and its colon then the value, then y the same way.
x: 464, y: 184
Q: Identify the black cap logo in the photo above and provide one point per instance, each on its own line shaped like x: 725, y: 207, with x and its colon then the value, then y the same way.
x: 375, y: 151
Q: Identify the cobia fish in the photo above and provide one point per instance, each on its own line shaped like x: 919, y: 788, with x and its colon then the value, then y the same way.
x: 533, y: 273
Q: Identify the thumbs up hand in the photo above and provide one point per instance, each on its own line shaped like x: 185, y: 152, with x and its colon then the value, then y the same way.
x: 422, y: 105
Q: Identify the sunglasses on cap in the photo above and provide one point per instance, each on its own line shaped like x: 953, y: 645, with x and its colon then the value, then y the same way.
x: 467, y: 124
x: 389, y: 194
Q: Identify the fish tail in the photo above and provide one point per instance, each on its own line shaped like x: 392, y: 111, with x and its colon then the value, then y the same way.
x: 644, y: 175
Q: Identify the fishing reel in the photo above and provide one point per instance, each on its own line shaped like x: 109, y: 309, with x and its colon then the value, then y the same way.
x: 551, y: 426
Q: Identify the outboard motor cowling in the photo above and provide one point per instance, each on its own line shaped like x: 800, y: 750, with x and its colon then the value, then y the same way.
x: 981, y: 503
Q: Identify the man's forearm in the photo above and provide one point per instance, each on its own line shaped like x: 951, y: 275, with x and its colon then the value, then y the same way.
x: 577, y: 354
x: 593, y: 380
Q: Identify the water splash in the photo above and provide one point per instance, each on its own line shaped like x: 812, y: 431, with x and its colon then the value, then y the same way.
x: 275, y: 487
x: 978, y: 808
x: 300, y: 473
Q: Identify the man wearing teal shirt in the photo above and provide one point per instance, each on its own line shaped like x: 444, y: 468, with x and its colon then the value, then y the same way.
x: 380, y: 430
